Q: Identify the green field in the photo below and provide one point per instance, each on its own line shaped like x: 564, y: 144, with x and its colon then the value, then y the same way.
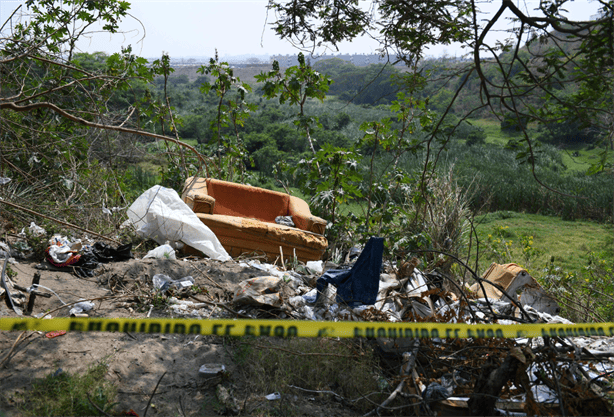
x: 567, y: 244
x: 492, y: 128
x: 578, y: 158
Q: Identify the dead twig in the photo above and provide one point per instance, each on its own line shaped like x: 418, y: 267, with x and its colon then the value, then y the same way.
x: 490, y: 383
x: 8, y: 355
x: 224, y: 306
x: 108, y: 297
x: 558, y: 388
x: 281, y: 252
x: 152, y: 394
x: 87, y: 394
x: 180, y: 407
x: 313, y: 391
x: 209, y: 278
x: 600, y: 376
x: 318, y: 391
x: 409, y: 359
x: 34, y: 106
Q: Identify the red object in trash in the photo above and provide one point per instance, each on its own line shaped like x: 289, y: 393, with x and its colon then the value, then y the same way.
x: 51, y: 335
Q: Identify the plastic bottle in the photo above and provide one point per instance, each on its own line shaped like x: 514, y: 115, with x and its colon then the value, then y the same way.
x: 163, y: 282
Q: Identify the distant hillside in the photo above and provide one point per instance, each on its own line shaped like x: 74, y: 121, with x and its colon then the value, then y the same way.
x: 246, y: 74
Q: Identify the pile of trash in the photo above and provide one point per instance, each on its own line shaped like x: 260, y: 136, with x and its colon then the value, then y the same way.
x: 61, y: 254
x: 361, y: 291
x: 83, y: 259
x: 521, y: 376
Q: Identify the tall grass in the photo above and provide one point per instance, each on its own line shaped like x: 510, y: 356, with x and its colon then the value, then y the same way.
x: 507, y: 184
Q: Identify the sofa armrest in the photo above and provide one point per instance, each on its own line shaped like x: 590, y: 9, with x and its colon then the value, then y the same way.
x: 196, y: 197
x: 317, y: 225
x: 302, y: 217
x: 200, y: 203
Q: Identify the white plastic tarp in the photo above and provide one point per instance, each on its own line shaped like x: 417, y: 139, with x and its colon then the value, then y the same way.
x: 161, y: 215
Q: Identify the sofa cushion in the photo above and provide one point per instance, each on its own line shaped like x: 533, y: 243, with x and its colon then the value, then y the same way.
x: 241, y: 235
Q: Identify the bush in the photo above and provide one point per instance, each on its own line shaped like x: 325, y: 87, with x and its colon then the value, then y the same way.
x: 512, y: 125
x: 476, y: 137
x: 568, y: 132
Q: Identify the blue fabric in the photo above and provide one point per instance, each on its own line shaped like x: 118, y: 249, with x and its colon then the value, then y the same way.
x: 358, y: 285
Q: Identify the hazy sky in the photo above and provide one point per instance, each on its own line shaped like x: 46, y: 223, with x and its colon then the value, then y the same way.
x: 186, y: 28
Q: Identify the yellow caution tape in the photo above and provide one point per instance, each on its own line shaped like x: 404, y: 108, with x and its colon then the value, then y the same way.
x: 292, y: 328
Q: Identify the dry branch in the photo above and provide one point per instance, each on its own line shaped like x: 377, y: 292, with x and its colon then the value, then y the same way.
x: 489, y: 385
x: 409, y: 359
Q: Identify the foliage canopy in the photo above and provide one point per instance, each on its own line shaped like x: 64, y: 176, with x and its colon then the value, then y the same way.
x: 550, y: 69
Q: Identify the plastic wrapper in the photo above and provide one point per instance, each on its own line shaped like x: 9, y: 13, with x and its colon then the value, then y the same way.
x: 317, y: 267
x: 259, y: 291
x: 81, y: 307
x: 37, y: 230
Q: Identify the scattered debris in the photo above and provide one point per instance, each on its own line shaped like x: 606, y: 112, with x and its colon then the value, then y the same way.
x: 227, y: 400
x: 273, y: 397
x: 540, y: 376
x: 212, y: 369
x: 11, y: 298
x: 52, y: 335
x: 81, y: 307
x: 285, y: 220
x: 511, y: 279
x: 262, y: 291
x: 165, y: 251
x: 82, y: 259
x: 36, y: 230
x: 163, y: 282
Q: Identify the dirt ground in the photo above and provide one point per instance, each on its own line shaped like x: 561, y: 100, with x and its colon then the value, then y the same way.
x: 138, y: 361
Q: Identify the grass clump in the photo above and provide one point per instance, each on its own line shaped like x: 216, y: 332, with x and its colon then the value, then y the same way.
x: 65, y: 394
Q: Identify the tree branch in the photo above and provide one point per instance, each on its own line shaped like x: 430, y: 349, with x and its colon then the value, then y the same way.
x: 33, y: 106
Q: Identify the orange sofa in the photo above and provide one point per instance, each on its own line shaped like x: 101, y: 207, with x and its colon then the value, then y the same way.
x: 243, y: 219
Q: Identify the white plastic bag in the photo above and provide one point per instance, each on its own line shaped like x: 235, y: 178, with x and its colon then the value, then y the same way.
x: 162, y: 252
x: 315, y: 266
x: 160, y: 214
x: 37, y: 230
x: 79, y: 308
